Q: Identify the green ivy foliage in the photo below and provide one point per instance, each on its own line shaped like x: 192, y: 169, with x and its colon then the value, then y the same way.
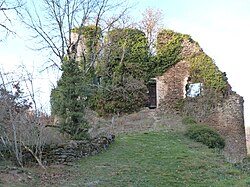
x: 91, y: 35
x: 127, y: 54
x: 118, y: 99
x: 122, y: 71
x: 202, y: 67
x: 204, y: 70
x: 168, y: 51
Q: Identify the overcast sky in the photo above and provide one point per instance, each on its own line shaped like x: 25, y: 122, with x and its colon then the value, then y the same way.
x: 221, y: 27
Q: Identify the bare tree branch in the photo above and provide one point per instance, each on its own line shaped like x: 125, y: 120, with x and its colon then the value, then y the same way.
x: 7, y: 8
x: 53, y: 26
x: 151, y: 24
x: 23, y: 122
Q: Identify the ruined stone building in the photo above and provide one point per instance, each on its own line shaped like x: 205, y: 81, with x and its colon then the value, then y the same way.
x: 220, y: 107
x: 194, y: 86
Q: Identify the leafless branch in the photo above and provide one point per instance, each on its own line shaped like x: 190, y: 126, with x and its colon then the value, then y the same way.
x: 53, y: 27
x: 151, y: 24
x: 6, y: 8
x: 23, y: 125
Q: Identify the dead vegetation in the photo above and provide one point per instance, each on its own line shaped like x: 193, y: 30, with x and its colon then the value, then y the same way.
x: 145, y: 120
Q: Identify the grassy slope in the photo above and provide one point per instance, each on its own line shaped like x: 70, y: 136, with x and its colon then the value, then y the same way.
x: 163, y: 158
x: 156, y: 159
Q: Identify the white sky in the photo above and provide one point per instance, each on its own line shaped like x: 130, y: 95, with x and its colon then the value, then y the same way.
x: 221, y: 27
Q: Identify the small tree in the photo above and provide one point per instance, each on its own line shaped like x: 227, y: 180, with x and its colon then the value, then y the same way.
x: 12, y: 107
x: 68, y: 101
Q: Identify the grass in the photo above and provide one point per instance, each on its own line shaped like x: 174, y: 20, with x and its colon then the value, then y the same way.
x: 150, y: 159
x: 156, y: 159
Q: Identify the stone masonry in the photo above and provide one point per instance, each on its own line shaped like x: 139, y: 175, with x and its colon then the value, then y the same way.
x: 80, y: 49
x: 70, y: 151
x: 229, y: 122
x: 227, y: 117
x: 225, y: 113
x: 171, y: 86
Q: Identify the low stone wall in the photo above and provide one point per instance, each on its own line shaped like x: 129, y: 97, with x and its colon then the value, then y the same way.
x: 70, y: 151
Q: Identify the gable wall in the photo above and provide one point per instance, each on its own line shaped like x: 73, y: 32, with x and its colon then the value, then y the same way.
x: 223, y: 113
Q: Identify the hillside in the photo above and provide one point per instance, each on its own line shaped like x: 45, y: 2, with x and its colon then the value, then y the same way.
x: 150, y: 150
x: 163, y: 158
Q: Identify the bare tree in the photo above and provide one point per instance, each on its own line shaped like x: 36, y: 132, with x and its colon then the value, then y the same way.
x: 7, y: 8
x: 151, y: 24
x: 8, y: 120
x: 22, y: 124
x: 54, y: 24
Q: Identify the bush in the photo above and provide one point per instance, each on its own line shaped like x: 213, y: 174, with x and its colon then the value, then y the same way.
x: 205, y: 135
x: 129, y: 97
x: 189, y: 120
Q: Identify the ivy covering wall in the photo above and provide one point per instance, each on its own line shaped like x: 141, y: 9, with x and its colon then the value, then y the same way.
x: 92, y: 36
x: 122, y: 70
x: 168, y: 51
x: 202, y: 68
x: 126, y: 54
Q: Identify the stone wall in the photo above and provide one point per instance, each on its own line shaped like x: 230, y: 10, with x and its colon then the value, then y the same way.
x: 223, y: 112
x: 78, y: 50
x: 227, y: 117
x: 70, y: 151
x: 170, y: 87
x: 231, y: 126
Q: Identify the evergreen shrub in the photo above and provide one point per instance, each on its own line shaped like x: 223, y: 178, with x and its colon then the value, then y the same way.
x: 206, y: 135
